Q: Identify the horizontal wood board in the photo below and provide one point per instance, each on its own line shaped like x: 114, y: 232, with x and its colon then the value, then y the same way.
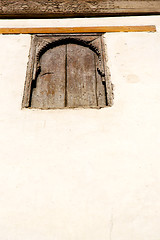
x: 147, y: 28
x: 79, y: 8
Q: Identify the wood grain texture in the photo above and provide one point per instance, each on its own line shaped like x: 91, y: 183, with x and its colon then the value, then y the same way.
x: 100, y: 80
x: 81, y: 79
x: 49, y: 91
x: 30, y: 71
x: 72, y: 8
x: 62, y: 72
x: 103, y: 29
x: 69, y: 78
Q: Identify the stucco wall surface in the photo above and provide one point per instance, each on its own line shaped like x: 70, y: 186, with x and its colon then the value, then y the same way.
x: 83, y: 174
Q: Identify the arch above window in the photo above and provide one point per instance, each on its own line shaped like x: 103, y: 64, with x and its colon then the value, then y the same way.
x: 66, y: 71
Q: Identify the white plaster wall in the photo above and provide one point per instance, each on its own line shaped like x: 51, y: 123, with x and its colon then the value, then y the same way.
x: 83, y: 174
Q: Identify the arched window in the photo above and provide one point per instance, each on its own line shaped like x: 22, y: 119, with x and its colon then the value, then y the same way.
x: 66, y: 72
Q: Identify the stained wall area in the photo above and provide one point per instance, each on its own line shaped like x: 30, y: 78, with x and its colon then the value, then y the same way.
x: 86, y: 173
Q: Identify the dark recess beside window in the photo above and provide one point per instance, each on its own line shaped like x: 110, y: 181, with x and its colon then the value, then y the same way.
x: 66, y: 71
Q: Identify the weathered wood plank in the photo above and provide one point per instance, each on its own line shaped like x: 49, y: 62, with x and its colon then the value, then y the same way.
x: 29, y: 76
x: 81, y: 80
x: 68, y: 8
x: 49, y: 91
x: 102, y: 29
x: 100, y: 75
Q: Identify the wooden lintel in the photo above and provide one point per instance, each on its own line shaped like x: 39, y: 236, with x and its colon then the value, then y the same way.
x: 79, y: 8
x: 41, y: 30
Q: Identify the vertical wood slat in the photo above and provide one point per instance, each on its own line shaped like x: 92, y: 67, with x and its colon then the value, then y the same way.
x: 29, y: 74
x: 50, y: 86
x: 101, y: 94
x: 80, y: 77
x: 66, y: 92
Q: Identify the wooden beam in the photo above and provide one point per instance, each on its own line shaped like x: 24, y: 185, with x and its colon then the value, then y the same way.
x: 41, y: 30
x: 78, y: 8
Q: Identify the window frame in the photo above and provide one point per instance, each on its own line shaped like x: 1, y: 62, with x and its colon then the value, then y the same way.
x: 36, y: 49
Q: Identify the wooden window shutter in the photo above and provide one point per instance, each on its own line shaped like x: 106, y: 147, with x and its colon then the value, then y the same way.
x: 66, y: 72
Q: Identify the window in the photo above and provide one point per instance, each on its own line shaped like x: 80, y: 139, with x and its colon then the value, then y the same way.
x: 66, y: 71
